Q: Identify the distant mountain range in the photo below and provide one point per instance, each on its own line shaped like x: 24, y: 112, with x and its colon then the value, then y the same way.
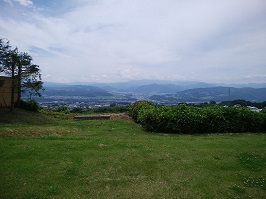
x: 157, y: 88
x: 163, y: 86
x: 163, y: 90
x: 75, y: 90
x: 134, y: 84
x: 221, y: 94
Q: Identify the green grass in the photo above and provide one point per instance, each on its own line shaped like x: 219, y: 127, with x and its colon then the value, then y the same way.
x: 52, y: 158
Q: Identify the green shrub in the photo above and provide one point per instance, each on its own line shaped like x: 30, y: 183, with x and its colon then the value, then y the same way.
x: 263, y: 117
x: 213, y: 119
x: 63, y: 109
x: 77, y: 110
x: 190, y: 119
x: 137, y: 106
x: 30, y: 105
x: 242, y: 120
x: 176, y: 119
x: 263, y: 110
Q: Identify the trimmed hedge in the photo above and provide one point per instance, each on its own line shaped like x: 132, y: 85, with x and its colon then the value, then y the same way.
x: 194, y: 120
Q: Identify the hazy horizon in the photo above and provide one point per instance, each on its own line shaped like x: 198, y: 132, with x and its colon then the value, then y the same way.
x: 146, y: 82
x: 221, y: 41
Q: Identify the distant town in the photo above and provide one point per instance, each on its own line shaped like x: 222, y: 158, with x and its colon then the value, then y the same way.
x: 85, y: 103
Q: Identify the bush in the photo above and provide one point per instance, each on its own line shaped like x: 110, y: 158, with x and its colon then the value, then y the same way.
x: 189, y: 119
x: 242, y: 120
x: 30, y: 105
x: 137, y: 106
x: 176, y: 119
x: 263, y: 110
x: 77, y: 110
x: 63, y: 109
x: 213, y: 119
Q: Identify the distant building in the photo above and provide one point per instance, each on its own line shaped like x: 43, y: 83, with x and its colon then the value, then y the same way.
x: 237, y: 105
x: 255, y: 109
x: 5, y: 91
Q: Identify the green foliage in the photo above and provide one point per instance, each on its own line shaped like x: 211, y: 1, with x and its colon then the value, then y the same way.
x: 137, y: 106
x: 77, y: 110
x: 62, y: 109
x: 263, y: 110
x: 111, y: 109
x: 195, y: 120
x: 263, y: 115
x: 32, y: 88
x: 30, y: 105
x: 212, y: 102
x: 19, y: 66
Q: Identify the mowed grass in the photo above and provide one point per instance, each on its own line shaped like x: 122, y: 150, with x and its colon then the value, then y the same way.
x: 117, y: 159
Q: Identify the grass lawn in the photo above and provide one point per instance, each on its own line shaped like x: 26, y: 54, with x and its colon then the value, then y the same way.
x: 53, y: 158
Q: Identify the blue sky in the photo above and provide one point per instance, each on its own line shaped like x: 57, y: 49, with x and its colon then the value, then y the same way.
x: 222, y: 41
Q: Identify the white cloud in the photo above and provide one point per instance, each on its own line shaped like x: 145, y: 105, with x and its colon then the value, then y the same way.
x: 25, y: 2
x: 21, y: 2
x: 111, y: 40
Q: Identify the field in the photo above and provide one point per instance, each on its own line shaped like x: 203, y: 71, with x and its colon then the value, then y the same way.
x: 43, y: 157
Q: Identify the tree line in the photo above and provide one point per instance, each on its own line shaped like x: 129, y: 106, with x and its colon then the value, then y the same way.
x: 25, y: 75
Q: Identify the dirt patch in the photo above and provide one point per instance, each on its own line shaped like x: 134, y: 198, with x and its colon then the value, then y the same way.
x: 104, y: 116
x: 120, y: 115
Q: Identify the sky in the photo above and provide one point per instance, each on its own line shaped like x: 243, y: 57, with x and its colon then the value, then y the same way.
x: 215, y: 41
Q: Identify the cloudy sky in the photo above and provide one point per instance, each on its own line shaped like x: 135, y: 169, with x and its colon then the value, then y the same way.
x: 120, y: 40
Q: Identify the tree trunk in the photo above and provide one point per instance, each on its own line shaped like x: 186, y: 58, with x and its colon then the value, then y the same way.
x: 13, y: 87
x: 19, y: 84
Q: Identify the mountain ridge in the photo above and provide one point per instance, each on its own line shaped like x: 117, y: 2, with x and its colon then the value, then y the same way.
x: 134, y: 84
x: 187, y: 92
x: 217, y: 94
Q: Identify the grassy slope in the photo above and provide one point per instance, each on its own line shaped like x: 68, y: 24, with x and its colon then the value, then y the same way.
x: 20, y: 116
x: 116, y: 159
